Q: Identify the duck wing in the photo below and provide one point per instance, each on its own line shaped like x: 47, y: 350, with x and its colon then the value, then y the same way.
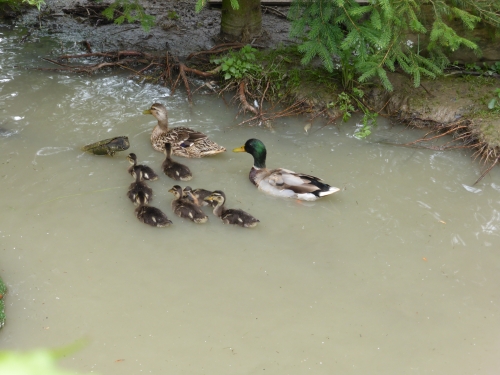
x: 298, y: 183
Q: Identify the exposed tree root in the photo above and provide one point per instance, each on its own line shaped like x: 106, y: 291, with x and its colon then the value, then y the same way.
x: 243, y: 99
x: 487, y: 170
x: 462, y: 137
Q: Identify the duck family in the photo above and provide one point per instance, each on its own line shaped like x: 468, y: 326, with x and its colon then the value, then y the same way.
x: 188, y: 203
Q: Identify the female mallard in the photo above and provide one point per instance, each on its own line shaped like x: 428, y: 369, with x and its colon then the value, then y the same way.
x: 147, y: 172
x: 282, y: 182
x: 185, y: 142
x: 186, y: 209
x: 172, y: 169
x: 230, y: 216
x: 152, y: 216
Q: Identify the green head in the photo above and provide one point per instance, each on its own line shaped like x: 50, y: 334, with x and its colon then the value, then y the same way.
x: 255, y: 148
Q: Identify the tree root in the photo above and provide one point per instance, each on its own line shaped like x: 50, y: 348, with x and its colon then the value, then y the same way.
x: 243, y: 99
x: 487, y: 170
x: 462, y: 138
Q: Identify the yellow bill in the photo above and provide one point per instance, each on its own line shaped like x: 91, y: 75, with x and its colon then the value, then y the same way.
x: 239, y: 149
x: 146, y: 112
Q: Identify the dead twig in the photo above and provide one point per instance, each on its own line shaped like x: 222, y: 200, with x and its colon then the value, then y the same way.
x: 292, y: 110
x: 453, y: 129
x: 487, y: 171
x: 115, y: 55
x: 88, y: 68
x: 273, y: 10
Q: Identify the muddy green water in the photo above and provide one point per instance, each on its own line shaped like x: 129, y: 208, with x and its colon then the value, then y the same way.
x: 398, y: 273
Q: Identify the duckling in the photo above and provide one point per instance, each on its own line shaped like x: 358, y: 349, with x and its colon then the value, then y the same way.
x: 230, y: 216
x: 282, y: 182
x: 147, y: 172
x: 186, y: 209
x: 139, y: 192
x: 172, y: 169
x: 152, y: 216
x: 197, y: 196
x: 185, y: 141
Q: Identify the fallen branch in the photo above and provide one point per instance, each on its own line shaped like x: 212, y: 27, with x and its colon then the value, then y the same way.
x: 469, y: 73
x: 266, y: 8
x: 116, y: 55
x: 87, y: 68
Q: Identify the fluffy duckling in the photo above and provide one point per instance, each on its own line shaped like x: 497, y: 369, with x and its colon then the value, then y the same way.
x: 186, y: 209
x: 185, y: 141
x: 152, y: 216
x: 197, y: 196
x: 139, y: 192
x: 230, y: 216
x: 172, y: 169
x: 282, y: 182
x: 147, y: 172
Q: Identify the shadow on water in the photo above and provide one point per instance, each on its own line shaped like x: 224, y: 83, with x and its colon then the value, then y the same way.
x: 397, y: 273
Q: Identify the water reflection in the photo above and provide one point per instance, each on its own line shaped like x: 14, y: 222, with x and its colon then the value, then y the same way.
x: 397, y: 273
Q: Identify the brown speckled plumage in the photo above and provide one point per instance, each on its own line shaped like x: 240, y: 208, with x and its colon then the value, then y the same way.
x: 186, y: 209
x: 185, y: 141
x: 230, y: 216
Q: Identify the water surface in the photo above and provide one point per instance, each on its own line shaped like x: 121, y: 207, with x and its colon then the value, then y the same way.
x: 398, y: 273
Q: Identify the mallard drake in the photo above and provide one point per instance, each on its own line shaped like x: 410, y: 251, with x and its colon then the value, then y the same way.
x: 172, y: 169
x: 230, y: 216
x: 152, y: 216
x: 147, y: 172
x: 139, y: 192
x: 186, y: 209
x: 197, y: 196
x: 282, y: 182
x: 185, y: 141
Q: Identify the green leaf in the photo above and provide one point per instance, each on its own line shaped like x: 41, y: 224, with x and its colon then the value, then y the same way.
x: 492, y: 103
x: 120, y: 20
x: 235, y: 4
x: 109, y: 13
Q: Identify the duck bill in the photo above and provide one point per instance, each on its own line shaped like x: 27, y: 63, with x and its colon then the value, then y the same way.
x: 239, y: 149
x: 146, y: 112
x: 171, y: 190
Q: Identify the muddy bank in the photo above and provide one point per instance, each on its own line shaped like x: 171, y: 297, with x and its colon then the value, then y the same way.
x: 178, y: 29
